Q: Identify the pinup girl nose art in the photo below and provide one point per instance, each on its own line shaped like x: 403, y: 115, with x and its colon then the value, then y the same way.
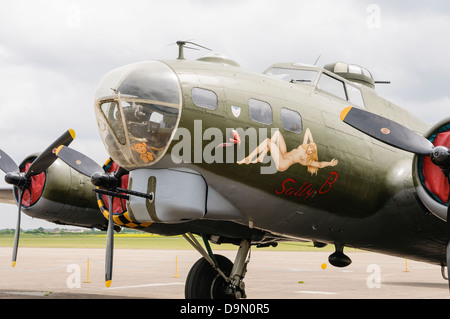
x: 305, y: 154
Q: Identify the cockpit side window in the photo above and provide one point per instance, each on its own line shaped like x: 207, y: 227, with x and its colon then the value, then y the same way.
x: 355, y: 95
x: 332, y: 86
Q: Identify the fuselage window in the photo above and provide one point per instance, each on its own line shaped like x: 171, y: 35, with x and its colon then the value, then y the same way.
x: 332, y: 85
x: 260, y: 111
x: 204, y: 98
x: 355, y: 96
x: 291, y: 120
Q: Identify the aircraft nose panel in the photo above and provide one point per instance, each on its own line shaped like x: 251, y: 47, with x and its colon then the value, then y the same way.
x: 138, y: 109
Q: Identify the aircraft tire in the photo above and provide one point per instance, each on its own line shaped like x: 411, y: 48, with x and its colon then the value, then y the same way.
x: 204, y: 282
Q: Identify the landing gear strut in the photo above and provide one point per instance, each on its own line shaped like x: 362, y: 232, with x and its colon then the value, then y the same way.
x: 236, y: 286
x: 215, y: 276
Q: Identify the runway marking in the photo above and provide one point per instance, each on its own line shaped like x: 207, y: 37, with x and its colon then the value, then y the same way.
x: 147, y: 285
x: 316, y: 292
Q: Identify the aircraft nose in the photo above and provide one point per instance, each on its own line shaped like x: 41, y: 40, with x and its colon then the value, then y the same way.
x: 138, y: 107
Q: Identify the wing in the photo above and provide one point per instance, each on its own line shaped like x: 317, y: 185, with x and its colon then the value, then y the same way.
x: 7, y: 196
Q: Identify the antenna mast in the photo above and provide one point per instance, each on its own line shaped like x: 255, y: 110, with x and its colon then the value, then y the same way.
x: 182, y: 45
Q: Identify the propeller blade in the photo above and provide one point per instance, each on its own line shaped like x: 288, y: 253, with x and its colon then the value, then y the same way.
x: 109, y: 245
x: 87, y: 166
x: 7, y: 164
x: 90, y: 168
x: 48, y: 156
x: 17, y: 233
x: 78, y: 161
x: 448, y: 246
x: 120, y: 172
x: 386, y: 131
x: 448, y: 231
x: 23, y: 180
x: 403, y: 138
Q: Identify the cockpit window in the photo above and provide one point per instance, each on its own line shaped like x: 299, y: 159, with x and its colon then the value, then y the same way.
x: 332, y: 85
x: 294, y: 75
x: 354, y: 95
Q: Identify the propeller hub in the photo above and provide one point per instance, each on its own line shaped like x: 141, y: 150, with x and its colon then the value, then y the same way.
x: 104, y: 180
x: 441, y: 157
x: 17, y: 179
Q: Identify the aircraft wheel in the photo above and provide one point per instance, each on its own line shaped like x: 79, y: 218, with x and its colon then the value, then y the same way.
x: 204, y: 282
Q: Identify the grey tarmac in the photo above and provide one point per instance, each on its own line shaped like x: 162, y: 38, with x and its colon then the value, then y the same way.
x: 72, y: 273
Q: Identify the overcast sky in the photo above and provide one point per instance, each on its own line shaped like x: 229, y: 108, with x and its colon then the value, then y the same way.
x: 53, y: 54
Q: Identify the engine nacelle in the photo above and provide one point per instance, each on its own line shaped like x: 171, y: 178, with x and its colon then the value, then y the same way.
x: 61, y: 195
x: 431, y: 184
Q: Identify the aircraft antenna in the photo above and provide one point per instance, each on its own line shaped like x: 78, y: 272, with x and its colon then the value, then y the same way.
x: 182, y: 45
x: 382, y: 82
x: 317, y: 60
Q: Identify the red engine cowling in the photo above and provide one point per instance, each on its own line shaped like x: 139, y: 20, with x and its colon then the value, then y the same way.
x: 432, y: 186
x: 33, y: 192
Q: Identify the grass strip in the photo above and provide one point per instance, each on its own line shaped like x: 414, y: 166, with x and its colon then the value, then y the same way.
x: 133, y: 241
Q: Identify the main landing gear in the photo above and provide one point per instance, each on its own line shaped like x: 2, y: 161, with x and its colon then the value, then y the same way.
x: 215, y: 276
